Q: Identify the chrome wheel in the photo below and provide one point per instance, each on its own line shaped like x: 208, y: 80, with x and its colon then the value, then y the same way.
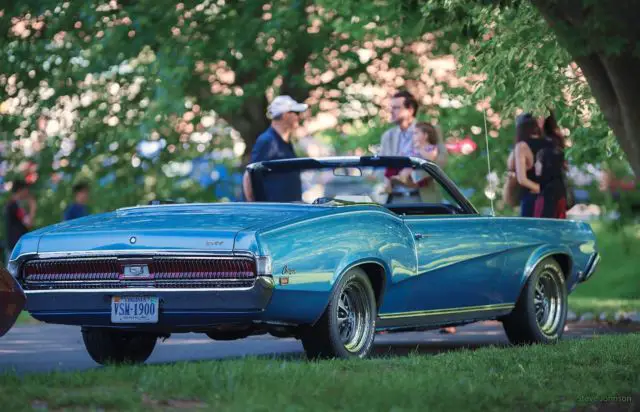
x: 541, y: 310
x: 547, y: 301
x: 347, y: 327
x: 353, y: 316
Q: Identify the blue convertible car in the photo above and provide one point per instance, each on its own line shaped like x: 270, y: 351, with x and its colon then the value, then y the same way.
x: 330, y: 269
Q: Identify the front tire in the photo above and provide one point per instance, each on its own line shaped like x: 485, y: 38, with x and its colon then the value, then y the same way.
x: 541, y: 311
x: 347, y: 327
x: 112, y: 346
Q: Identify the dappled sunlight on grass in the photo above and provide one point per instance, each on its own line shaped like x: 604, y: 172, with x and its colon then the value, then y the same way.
x: 554, y: 377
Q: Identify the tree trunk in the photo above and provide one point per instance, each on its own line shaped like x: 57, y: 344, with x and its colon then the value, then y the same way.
x: 250, y: 121
x: 613, y: 77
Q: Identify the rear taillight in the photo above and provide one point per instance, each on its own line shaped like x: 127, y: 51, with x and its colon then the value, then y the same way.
x: 263, y: 265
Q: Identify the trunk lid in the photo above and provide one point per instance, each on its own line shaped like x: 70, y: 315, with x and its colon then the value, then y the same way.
x: 207, y: 227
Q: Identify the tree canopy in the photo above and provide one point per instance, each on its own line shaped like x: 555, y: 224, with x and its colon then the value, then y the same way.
x: 87, y: 84
x: 576, y: 56
x: 127, y: 93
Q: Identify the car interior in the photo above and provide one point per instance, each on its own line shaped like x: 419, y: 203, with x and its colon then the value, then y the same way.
x: 407, y: 209
x: 424, y: 209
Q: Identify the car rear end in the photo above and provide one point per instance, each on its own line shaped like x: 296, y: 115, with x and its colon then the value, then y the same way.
x: 164, y: 268
x: 167, y: 291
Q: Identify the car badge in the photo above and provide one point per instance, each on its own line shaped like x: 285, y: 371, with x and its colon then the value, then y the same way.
x: 132, y: 240
x: 286, y: 270
x: 136, y: 271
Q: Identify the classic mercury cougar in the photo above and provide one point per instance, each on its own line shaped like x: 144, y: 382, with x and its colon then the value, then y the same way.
x: 330, y: 269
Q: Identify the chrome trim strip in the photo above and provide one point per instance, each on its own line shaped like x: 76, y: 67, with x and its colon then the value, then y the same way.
x: 592, y: 267
x: 134, y: 290
x: 265, y: 281
x: 450, y: 311
x: 215, y: 254
x: 131, y: 257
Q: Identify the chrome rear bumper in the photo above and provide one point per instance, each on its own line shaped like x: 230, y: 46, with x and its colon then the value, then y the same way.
x: 179, y: 307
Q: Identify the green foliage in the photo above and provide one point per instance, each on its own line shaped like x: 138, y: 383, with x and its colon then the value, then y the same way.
x: 85, y: 83
x: 525, y: 68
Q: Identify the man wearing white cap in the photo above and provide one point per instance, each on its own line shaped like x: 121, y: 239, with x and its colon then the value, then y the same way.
x: 275, y: 143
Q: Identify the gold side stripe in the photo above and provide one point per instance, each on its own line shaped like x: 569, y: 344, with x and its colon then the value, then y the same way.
x: 446, y: 311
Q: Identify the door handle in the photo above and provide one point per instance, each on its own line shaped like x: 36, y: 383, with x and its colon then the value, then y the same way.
x: 418, y: 236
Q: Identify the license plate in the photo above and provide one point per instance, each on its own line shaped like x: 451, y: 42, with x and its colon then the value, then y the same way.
x: 134, y: 309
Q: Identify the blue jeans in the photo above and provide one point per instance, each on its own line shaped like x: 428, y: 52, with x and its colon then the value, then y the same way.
x: 527, y: 204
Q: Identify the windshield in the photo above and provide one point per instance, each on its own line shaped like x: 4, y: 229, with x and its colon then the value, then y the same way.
x: 352, y: 184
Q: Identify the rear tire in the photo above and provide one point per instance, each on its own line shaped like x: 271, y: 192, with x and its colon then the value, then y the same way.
x: 347, y: 327
x: 541, y: 311
x: 113, y: 346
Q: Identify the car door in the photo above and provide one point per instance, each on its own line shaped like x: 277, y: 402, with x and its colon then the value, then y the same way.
x: 460, y: 262
x: 461, y: 259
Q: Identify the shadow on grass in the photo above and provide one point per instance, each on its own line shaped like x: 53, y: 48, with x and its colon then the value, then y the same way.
x: 478, y: 339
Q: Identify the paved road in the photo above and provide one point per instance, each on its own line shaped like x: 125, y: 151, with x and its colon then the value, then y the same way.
x: 42, y: 348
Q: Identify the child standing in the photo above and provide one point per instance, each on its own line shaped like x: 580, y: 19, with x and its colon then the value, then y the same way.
x: 426, y: 146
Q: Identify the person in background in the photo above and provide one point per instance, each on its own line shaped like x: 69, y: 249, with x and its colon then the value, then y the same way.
x: 273, y: 144
x: 17, y: 220
x: 552, y: 130
x: 550, y: 167
x: 398, y: 140
x: 529, y: 141
x: 80, y: 199
x: 551, y: 201
x: 427, y: 144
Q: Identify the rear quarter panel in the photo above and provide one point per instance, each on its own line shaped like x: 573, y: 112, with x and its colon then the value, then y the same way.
x: 532, y: 239
x: 313, y: 253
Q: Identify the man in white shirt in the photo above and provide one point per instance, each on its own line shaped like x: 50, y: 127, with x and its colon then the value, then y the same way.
x: 398, y: 141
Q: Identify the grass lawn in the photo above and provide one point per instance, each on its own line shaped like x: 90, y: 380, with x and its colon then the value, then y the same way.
x: 573, y: 373
x: 616, y: 283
